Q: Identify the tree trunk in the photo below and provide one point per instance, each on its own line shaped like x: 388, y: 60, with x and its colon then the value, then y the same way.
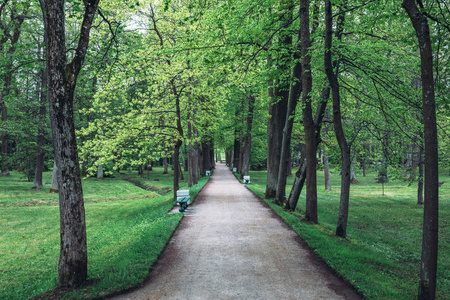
x: 165, y: 165
x: 295, y: 91
x: 300, y: 175
x: 176, y: 172
x: 341, y: 228
x: 326, y: 171
x: 54, y: 186
x: 247, y: 149
x: 308, y: 122
x: 192, y: 148
x: 236, y: 151
x: 427, y: 284
x: 278, y: 106
x: 41, y: 132
x: 62, y: 78
x: 420, y: 179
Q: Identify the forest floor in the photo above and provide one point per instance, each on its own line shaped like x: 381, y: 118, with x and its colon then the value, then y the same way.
x: 231, y: 245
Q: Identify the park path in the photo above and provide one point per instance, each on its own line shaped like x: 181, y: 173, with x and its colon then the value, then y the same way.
x: 230, y: 245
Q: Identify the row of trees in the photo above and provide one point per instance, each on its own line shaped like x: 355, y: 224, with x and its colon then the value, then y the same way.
x: 180, y: 79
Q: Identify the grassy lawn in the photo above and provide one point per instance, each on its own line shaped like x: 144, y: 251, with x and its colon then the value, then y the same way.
x: 127, y: 228
x: 381, y: 255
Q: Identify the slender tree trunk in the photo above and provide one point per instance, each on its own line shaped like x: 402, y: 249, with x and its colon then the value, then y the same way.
x: 236, y: 151
x: 308, y: 122
x: 192, y: 148
x: 427, y: 284
x: 279, y: 105
x: 247, y: 149
x: 326, y: 171
x: 420, y: 179
x: 295, y: 92
x: 41, y: 132
x: 300, y: 175
x: 165, y: 165
x: 341, y: 228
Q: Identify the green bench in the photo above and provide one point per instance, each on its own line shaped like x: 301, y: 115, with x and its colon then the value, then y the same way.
x: 183, y: 199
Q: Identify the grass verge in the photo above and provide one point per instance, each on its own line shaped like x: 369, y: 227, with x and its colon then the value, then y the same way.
x: 127, y: 229
x: 381, y: 255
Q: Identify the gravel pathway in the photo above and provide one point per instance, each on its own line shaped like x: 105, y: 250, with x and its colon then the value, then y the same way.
x: 230, y: 245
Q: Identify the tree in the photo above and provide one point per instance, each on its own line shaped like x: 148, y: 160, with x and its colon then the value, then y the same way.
x: 62, y: 79
x: 279, y: 94
x: 341, y: 228
x: 308, y: 122
x: 427, y: 283
x: 9, y: 32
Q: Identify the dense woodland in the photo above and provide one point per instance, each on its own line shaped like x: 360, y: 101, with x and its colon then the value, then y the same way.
x: 89, y: 88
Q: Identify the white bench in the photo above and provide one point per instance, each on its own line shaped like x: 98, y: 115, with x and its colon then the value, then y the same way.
x: 246, y: 179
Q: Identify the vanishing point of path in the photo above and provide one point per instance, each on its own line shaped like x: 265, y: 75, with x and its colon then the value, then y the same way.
x: 230, y: 245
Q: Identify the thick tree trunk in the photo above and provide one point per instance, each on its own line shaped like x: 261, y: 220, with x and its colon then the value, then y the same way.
x: 62, y: 78
x: 247, y: 149
x: 427, y: 284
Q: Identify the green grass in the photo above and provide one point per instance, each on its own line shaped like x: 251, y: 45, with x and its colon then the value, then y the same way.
x: 127, y: 228
x: 381, y: 255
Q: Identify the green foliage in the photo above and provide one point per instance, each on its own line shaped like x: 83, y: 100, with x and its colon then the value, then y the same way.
x: 382, y: 174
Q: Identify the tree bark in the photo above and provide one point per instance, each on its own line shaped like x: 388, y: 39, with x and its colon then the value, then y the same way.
x: 278, y: 106
x: 326, y: 171
x: 300, y: 175
x: 308, y: 122
x: 341, y: 228
x: 41, y: 132
x: 420, y: 179
x: 247, y: 149
x: 428, y: 270
x: 236, y: 151
x: 295, y: 92
x: 62, y: 78
x: 192, y: 146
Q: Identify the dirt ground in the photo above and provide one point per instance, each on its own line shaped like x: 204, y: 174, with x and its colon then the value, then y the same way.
x: 230, y: 245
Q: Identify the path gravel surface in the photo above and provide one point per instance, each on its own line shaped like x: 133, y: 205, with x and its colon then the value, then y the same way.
x: 230, y: 245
